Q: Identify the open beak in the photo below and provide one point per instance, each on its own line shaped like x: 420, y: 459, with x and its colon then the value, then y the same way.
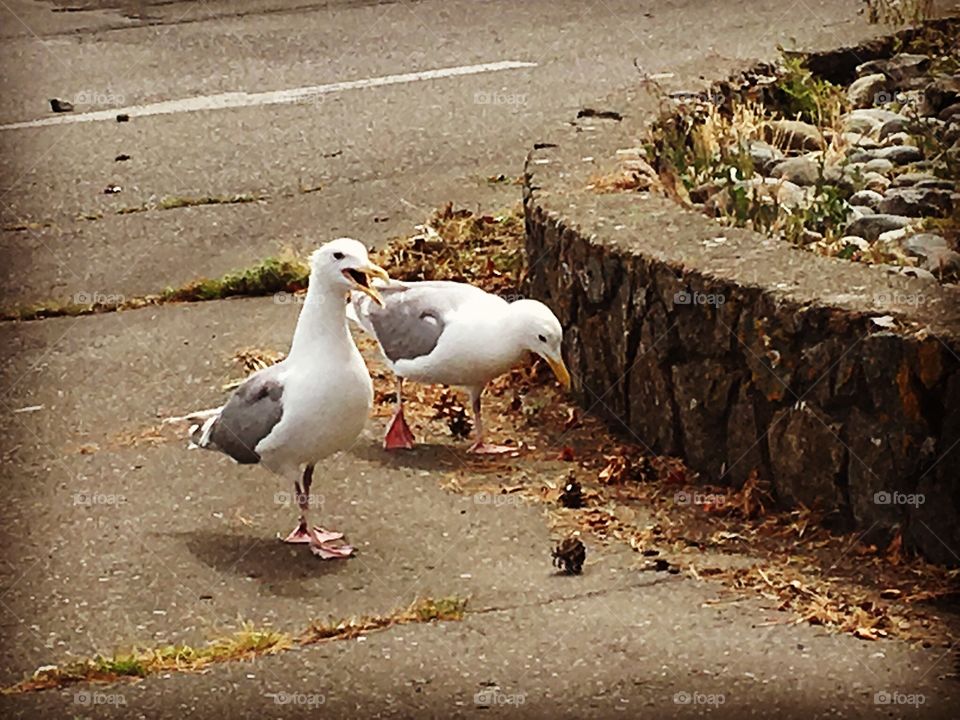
x: 560, y: 370
x: 362, y: 277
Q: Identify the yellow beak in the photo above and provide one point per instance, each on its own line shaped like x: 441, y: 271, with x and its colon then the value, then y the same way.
x: 560, y: 370
x: 372, y: 271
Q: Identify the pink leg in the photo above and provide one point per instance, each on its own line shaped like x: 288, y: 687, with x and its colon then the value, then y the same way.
x: 321, y: 541
x: 480, y: 447
x: 299, y: 534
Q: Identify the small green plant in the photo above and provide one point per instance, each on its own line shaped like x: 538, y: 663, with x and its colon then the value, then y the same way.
x: 804, y: 96
x: 128, y: 665
x: 828, y: 212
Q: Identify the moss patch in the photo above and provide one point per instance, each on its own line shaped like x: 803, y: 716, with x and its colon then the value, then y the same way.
x: 174, y: 202
x: 454, y: 244
x: 270, y: 276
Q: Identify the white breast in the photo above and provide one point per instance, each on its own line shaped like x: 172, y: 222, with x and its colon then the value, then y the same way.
x: 324, y: 411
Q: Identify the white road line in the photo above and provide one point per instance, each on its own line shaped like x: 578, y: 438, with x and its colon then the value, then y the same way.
x: 274, y: 97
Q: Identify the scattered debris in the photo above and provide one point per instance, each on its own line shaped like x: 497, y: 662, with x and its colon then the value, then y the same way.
x: 456, y: 244
x: 252, y: 360
x: 627, y: 465
x: 449, y: 407
x: 573, y: 419
x: 600, y: 114
x: 885, y: 321
x: 570, y: 555
x: 29, y: 409
x: 112, y: 189
x: 572, y: 495
x: 504, y: 179
x: 307, y: 189
x: 661, y: 565
x: 152, y: 435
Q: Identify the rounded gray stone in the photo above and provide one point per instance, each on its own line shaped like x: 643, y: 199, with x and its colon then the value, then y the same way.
x: 871, y: 227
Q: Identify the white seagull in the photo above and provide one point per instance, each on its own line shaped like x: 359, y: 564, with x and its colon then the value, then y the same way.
x: 451, y: 333
x: 289, y: 416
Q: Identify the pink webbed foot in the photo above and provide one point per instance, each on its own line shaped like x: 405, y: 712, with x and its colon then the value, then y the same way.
x: 399, y: 435
x: 325, y: 551
x: 324, y: 545
x: 300, y: 535
x: 482, y: 448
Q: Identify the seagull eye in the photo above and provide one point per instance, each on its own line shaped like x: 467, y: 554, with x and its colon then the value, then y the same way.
x: 338, y: 256
x: 542, y: 338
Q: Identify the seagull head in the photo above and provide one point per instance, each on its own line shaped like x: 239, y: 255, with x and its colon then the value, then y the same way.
x: 344, y: 263
x: 540, y: 332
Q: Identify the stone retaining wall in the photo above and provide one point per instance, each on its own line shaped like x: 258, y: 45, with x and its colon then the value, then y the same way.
x: 837, y: 383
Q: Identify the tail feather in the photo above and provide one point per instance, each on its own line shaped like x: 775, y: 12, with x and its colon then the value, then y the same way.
x: 201, y: 425
x: 200, y: 434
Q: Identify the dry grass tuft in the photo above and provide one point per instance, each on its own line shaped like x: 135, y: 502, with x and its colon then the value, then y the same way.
x: 245, y: 644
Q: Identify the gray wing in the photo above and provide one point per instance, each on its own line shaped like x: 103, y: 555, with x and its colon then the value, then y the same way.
x: 412, y: 319
x: 248, y: 417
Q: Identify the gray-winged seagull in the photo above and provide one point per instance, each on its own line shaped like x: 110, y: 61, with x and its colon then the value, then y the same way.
x: 289, y: 416
x: 451, y: 333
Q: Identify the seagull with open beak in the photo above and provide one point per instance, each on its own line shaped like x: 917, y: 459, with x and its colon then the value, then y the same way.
x: 290, y: 416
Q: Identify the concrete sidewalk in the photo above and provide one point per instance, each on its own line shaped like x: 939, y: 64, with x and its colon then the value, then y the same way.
x: 113, y: 545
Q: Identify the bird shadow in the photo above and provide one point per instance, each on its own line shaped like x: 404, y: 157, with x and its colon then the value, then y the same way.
x: 426, y: 456
x: 279, y: 568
